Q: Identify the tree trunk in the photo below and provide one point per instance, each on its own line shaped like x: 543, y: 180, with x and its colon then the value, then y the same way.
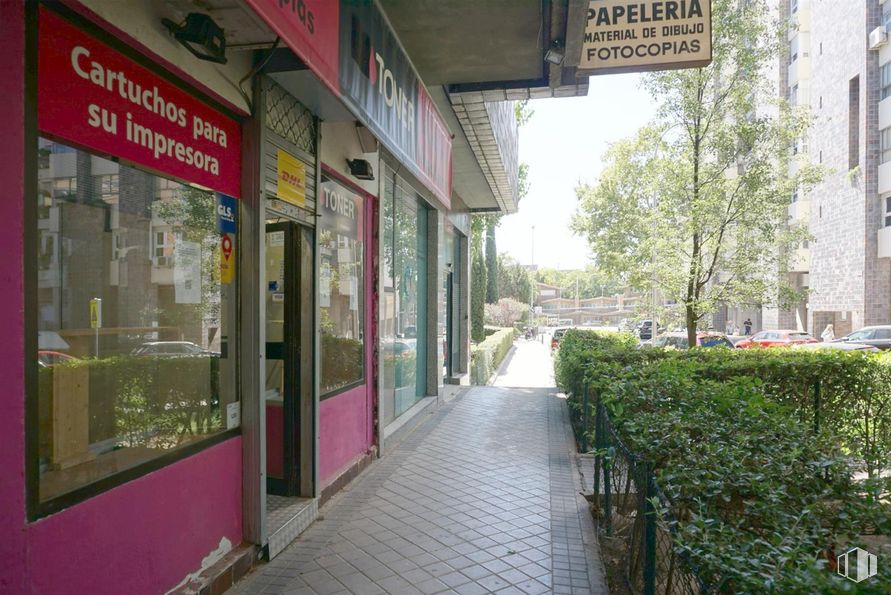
x: 491, y: 263
x: 691, y: 324
x: 695, y: 257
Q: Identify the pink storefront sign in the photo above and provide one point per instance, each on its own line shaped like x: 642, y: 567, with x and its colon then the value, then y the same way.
x: 309, y: 27
x: 93, y: 96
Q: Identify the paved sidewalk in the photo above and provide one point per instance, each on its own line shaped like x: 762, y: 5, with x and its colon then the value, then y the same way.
x: 481, y: 498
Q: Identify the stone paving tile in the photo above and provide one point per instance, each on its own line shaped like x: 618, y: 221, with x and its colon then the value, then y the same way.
x: 481, y: 498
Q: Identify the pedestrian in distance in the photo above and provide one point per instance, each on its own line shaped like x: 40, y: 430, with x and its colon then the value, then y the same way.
x: 828, y: 334
x: 748, y: 326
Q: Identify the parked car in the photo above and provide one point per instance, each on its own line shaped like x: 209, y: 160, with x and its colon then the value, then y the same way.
x: 679, y: 340
x: 841, y: 346
x: 173, y: 349
x: 46, y: 358
x: 645, y: 329
x: 558, y: 334
x: 877, y: 336
x: 781, y: 338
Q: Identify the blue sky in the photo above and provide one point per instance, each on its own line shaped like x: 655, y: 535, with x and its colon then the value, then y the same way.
x: 563, y: 144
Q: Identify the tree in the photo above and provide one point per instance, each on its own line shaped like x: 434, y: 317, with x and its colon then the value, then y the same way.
x: 523, y: 112
x: 695, y: 204
x: 506, y: 312
x: 590, y: 282
x: 477, y: 280
x: 491, y: 261
x: 514, y: 280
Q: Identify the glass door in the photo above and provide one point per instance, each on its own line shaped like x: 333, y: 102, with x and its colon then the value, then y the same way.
x: 282, y: 361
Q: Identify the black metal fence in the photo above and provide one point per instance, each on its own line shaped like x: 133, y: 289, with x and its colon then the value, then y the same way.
x: 633, y: 510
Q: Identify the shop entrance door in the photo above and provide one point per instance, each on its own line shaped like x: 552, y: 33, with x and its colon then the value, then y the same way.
x: 288, y: 260
x: 450, y: 317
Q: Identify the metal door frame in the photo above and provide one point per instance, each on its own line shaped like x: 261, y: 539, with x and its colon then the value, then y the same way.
x: 290, y: 484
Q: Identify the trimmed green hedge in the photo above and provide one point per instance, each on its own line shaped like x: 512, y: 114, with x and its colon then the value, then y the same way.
x: 142, y: 401
x: 487, y: 355
x: 760, y: 491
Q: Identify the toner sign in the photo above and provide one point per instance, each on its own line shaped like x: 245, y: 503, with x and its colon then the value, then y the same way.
x: 629, y: 36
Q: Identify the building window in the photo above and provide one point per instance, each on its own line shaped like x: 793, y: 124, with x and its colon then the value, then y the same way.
x: 793, y: 6
x: 886, y: 16
x: 341, y: 287
x: 888, y: 211
x: 164, y: 247
x: 131, y: 363
x: 793, y: 49
x: 886, y: 80
x: 403, y: 300
x: 854, y: 122
x: 885, y: 144
x: 793, y: 96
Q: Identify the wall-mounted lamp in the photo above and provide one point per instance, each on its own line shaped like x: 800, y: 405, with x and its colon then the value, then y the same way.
x: 360, y: 169
x: 200, y: 35
x: 555, y: 53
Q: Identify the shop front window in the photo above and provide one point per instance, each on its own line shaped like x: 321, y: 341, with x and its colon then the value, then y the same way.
x: 132, y: 350
x: 341, y: 288
x: 404, y: 299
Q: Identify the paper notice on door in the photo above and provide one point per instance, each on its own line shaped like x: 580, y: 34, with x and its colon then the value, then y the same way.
x: 233, y: 415
x: 325, y: 286
x: 187, y: 272
x: 344, y: 274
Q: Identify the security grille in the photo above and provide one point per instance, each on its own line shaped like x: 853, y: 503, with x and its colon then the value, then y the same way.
x: 289, y: 118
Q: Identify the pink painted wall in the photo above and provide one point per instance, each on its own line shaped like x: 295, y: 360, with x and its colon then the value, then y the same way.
x: 142, y: 537
x: 343, y: 432
x: 14, y: 541
x: 275, y: 441
x: 346, y: 421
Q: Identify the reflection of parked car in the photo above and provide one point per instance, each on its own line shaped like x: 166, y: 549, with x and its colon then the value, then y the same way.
x: 838, y: 346
x: 679, y: 340
x: 173, y: 349
x: 403, y: 349
x: 49, y: 358
x: 877, y: 336
x: 776, y: 339
x: 558, y: 334
x: 645, y: 329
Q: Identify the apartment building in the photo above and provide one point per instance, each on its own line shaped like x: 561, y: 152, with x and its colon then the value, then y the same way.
x: 838, y: 65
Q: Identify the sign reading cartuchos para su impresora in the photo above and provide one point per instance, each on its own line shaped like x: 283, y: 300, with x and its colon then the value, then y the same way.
x: 629, y: 36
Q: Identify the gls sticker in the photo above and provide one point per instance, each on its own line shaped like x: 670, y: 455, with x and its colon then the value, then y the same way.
x: 227, y: 209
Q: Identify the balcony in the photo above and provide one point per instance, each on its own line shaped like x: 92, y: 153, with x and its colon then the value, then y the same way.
x: 884, y: 242
x: 800, y: 261
x: 885, y: 178
x: 800, y: 212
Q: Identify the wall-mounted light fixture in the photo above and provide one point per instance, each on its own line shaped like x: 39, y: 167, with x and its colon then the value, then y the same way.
x: 360, y: 169
x: 200, y: 35
x: 555, y: 53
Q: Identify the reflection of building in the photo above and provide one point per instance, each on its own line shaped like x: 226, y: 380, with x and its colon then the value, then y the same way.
x: 594, y: 311
x: 845, y: 268
x: 273, y: 268
x: 103, y: 234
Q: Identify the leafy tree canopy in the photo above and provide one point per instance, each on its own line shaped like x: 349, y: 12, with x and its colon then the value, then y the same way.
x: 696, y: 202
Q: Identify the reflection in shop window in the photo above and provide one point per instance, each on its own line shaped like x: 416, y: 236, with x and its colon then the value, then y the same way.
x: 149, y: 375
x: 341, y: 287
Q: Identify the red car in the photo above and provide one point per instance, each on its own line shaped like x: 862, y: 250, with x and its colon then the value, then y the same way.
x: 776, y: 339
x: 49, y: 358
